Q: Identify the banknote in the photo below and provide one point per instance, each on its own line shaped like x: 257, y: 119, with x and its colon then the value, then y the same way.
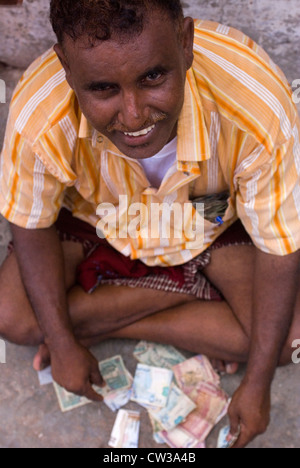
x: 116, y: 399
x: 157, y: 355
x: 157, y: 428
x: 151, y: 385
x: 225, y: 439
x: 212, y: 404
x: 45, y: 376
x: 117, y: 379
x: 158, y: 439
x: 125, y: 433
x: 115, y: 376
x: 178, y: 407
x: 196, y: 370
x: 67, y: 400
x: 179, y: 438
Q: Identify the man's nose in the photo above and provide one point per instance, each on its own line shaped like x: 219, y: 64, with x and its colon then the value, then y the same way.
x: 133, y: 113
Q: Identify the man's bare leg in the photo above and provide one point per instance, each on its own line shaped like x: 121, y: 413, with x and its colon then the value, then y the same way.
x: 220, y: 330
x: 108, y: 309
x: 18, y: 323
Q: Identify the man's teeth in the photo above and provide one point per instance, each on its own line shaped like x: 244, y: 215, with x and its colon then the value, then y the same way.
x: 140, y: 133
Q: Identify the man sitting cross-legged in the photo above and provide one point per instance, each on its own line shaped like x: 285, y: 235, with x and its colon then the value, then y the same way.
x: 137, y: 103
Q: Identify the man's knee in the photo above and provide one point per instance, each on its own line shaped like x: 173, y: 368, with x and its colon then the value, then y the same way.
x: 17, y: 329
x: 21, y: 334
x: 17, y: 320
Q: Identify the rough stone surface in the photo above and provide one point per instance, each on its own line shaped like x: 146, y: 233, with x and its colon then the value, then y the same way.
x: 26, y: 31
x: 29, y: 414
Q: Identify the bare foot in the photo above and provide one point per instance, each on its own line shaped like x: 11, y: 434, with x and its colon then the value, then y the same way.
x: 223, y: 367
x: 42, y: 358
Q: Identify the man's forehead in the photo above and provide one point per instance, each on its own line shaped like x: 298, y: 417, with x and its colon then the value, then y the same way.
x: 157, y: 32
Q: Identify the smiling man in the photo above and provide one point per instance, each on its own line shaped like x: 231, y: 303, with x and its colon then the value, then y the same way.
x: 135, y: 100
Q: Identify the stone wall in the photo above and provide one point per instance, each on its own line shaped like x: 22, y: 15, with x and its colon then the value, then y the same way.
x: 274, y: 24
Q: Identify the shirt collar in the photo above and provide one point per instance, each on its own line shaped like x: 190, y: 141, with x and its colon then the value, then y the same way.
x: 85, y: 128
x: 193, y: 141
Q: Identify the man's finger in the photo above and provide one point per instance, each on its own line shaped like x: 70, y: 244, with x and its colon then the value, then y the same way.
x: 90, y: 394
x: 244, y: 439
x: 234, y: 421
x: 96, y: 378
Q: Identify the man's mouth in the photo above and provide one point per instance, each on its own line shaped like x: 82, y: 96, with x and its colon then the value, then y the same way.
x: 143, y: 132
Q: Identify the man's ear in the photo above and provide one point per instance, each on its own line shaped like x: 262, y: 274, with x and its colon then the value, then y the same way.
x: 64, y: 61
x: 188, y: 41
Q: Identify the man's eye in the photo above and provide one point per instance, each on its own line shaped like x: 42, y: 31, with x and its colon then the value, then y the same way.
x: 102, y: 87
x: 153, y: 76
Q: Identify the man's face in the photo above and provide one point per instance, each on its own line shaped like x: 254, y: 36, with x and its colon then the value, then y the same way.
x: 132, y: 91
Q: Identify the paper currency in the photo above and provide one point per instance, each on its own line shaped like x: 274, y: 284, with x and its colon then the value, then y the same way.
x: 179, y: 438
x: 201, y: 383
x: 116, y: 393
x: 157, y: 428
x: 157, y: 355
x: 151, y: 385
x: 178, y: 407
x: 125, y: 433
x: 45, y: 376
x: 116, y: 399
x: 115, y: 376
x: 212, y: 405
x: 226, y: 440
x: 196, y: 370
x: 68, y: 401
x: 158, y: 439
x: 215, y: 205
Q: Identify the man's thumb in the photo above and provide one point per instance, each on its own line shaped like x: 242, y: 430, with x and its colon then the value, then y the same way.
x: 96, y: 377
x: 234, y: 421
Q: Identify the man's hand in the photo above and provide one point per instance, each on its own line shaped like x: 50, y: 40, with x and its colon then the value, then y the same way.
x: 275, y: 283
x: 76, y: 369
x: 249, y: 413
x: 41, y: 261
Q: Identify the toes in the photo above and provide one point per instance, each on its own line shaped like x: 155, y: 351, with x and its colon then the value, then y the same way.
x: 42, y: 358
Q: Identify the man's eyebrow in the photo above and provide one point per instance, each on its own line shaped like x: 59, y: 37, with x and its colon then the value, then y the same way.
x: 94, y: 85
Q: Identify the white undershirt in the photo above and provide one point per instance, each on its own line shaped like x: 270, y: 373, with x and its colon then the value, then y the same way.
x: 158, y: 165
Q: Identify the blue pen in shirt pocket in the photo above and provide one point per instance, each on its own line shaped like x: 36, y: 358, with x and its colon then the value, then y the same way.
x: 215, y: 206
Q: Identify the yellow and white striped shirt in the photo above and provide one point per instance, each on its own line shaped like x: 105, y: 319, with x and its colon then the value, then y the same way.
x: 238, y: 131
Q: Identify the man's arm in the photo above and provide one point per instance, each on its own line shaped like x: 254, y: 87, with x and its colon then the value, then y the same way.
x: 41, y: 262
x: 276, y: 280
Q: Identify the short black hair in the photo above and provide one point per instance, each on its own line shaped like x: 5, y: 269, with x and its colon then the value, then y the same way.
x: 99, y: 19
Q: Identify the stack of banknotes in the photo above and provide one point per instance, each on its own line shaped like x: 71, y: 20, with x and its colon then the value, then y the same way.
x: 116, y: 392
x: 195, y: 402
x: 183, y: 397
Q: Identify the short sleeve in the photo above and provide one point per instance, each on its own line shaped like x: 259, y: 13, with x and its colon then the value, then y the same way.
x: 30, y: 196
x: 268, y: 197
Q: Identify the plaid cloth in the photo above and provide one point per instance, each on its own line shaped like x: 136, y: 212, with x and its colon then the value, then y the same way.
x: 196, y: 284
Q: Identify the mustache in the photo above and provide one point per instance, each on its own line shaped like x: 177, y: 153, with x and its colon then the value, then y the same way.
x: 152, y: 120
